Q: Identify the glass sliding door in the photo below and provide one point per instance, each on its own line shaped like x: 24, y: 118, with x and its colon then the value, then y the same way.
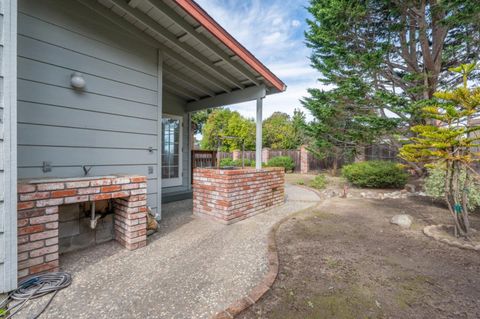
x: 171, y: 151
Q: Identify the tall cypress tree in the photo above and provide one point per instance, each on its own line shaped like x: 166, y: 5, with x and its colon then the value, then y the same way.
x: 386, y: 58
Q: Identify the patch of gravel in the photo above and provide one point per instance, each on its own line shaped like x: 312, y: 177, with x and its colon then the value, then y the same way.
x: 192, y: 268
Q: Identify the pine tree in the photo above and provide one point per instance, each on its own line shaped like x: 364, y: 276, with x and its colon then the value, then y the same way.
x: 451, y: 141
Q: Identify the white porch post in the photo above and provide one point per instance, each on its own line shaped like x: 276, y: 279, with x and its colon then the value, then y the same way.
x: 159, y: 133
x: 258, y: 144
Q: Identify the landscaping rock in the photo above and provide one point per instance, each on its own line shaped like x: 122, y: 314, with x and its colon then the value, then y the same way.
x: 410, y: 188
x: 403, y: 220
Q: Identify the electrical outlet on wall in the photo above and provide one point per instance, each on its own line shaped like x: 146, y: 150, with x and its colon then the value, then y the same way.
x: 47, y: 167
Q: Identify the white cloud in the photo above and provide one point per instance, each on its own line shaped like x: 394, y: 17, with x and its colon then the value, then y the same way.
x: 263, y: 27
x: 297, y: 70
x: 272, y: 31
x: 296, y: 23
x: 282, y: 102
x: 272, y: 38
x: 277, y: 21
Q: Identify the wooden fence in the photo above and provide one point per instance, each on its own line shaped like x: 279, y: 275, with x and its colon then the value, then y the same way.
x: 373, y: 152
x: 381, y: 152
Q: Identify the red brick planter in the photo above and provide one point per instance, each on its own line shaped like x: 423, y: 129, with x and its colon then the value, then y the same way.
x: 38, y: 215
x: 232, y: 195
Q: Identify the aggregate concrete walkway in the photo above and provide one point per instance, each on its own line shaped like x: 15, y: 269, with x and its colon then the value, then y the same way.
x: 192, y: 268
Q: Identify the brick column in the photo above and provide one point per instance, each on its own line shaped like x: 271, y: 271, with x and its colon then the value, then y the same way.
x: 130, y: 221
x: 237, y: 155
x: 304, y: 160
x: 265, y: 154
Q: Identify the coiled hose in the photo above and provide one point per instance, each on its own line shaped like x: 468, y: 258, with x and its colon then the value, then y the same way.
x: 36, y: 287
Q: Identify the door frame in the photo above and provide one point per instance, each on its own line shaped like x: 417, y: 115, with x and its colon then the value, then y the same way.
x: 178, y: 181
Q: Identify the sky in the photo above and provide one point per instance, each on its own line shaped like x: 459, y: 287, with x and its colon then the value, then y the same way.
x: 273, y: 30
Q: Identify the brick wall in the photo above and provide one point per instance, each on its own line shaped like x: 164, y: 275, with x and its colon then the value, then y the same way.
x: 232, y: 195
x: 38, y: 216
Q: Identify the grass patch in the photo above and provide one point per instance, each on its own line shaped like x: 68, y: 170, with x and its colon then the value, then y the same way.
x: 353, y: 302
x: 319, y: 182
x: 411, y: 290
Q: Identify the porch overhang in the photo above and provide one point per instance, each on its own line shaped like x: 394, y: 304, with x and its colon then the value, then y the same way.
x: 203, y: 63
x: 235, y: 97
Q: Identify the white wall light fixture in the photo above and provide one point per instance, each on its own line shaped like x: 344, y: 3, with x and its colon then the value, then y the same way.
x: 77, y: 81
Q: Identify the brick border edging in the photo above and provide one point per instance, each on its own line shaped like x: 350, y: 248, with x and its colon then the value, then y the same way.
x: 429, y: 232
x: 266, y: 283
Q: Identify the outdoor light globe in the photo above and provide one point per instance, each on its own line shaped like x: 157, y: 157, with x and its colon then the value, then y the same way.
x: 77, y: 81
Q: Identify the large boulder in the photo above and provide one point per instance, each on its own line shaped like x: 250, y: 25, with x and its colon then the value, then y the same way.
x: 402, y: 220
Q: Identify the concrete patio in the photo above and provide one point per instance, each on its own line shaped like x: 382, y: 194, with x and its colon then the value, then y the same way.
x: 192, y: 268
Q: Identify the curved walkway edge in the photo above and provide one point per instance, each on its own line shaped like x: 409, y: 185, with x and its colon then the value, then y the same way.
x: 273, y: 265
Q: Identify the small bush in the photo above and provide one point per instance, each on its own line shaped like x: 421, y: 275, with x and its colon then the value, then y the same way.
x: 226, y: 162
x: 246, y: 162
x: 435, y: 187
x: 282, y: 161
x: 237, y: 163
x: 375, y: 174
x: 319, y: 182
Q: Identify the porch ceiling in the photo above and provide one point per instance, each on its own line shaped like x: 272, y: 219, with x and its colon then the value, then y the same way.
x: 198, y: 65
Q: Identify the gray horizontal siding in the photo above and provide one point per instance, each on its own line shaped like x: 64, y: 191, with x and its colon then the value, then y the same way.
x: 78, y: 35
x: 111, y: 124
x: 60, y: 76
x: 58, y: 96
x: 38, y: 134
x: 59, y: 56
x: 33, y: 113
x: 78, y: 156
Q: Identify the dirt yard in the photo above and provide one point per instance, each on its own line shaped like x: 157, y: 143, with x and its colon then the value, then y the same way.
x: 344, y: 259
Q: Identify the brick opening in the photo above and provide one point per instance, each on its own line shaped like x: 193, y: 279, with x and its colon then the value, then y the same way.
x: 75, y: 230
x: 38, y: 215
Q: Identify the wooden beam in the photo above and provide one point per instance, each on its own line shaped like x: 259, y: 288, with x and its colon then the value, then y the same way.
x: 134, y: 3
x: 238, y: 96
x: 170, y: 37
x: 184, y: 37
x: 187, y: 27
x: 187, y: 81
x: 177, y: 89
x: 127, y: 26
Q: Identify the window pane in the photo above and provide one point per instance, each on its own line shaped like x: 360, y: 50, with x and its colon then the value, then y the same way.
x: 170, y: 147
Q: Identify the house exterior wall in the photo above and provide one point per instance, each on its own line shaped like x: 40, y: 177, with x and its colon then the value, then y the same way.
x: 112, y: 123
x: 8, y: 188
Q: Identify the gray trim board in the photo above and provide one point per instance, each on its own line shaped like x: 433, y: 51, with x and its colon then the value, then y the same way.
x: 239, y: 96
x: 8, y: 147
x: 159, y: 131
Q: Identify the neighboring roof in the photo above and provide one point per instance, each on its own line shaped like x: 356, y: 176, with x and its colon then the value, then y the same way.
x: 201, y: 60
x: 202, y: 17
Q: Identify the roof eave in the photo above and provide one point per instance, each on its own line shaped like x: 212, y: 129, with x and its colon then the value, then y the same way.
x: 205, y: 20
